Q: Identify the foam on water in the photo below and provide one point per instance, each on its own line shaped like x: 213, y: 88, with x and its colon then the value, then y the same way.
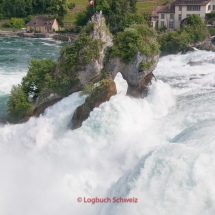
x: 159, y: 150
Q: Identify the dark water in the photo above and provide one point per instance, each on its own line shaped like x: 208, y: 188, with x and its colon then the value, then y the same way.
x: 15, y: 54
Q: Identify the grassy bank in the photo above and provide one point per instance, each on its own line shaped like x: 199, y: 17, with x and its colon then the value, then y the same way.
x: 146, y: 6
x: 79, y: 6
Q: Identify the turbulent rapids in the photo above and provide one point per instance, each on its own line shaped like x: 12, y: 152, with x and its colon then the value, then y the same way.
x: 159, y: 150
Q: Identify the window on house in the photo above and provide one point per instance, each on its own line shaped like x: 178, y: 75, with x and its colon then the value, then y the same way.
x: 213, y: 7
x: 162, y: 16
x: 162, y: 23
x: 180, y: 7
x: 171, y: 16
x: 193, y: 7
x: 209, y: 7
x: 171, y: 24
x: 188, y: 15
x: 179, y: 17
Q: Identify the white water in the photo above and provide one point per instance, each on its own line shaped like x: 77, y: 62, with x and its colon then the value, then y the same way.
x: 159, y: 150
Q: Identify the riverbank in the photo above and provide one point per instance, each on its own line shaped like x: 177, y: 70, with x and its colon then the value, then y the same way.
x: 62, y: 37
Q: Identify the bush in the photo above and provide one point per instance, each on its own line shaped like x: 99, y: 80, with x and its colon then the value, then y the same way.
x: 71, y: 6
x: 81, y: 18
x: 209, y: 15
x: 61, y: 31
x: 7, y: 24
x: 76, y: 29
x: 28, y: 19
x: 134, y: 18
x: 137, y: 38
x: 174, y: 41
x: 194, y: 20
x: 194, y: 31
x: 18, y: 105
x: 1, y: 16
x: 17, y: 23
x: 88, y: 89
x: 83, y: 50
x: 211, y: 31
x: 37, y: 76
x: 162, y: 29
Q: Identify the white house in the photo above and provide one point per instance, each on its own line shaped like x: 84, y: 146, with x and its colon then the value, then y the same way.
x: 154, y: 18
x: 173, y: 13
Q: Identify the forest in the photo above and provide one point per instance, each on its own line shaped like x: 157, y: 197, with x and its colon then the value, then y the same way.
x: 23, y: 8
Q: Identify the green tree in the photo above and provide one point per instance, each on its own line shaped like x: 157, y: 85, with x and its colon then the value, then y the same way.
x: 18, y: 105
x: 116, y: 13
x: 36, y: 77
x: 194, y: 31
x: 137, y: 38
x: 19, y: 8
x: 194, y: 19
x: 40, y: 6
x: 17, y: 23
x: 134, y: 18
x: 58, y: 8
x: 81, y: 18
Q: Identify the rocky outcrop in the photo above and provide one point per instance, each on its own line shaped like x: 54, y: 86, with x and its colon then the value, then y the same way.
x: 42, y: 104
x: 137, y: 73
x: 34, y: 35
x: 99, y: 95
x: 85, y: 73
x: 4, y: 119
x: 137, y: 78
x: 200, y: 62
x: 91, y: 71
x: 207, y: 45
x: 64, y: 37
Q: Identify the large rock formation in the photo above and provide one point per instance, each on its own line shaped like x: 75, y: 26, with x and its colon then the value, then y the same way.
x: 89, y: 72
x: 93, y: 70
x: 99, y: 95
x: 208, y: 45
x: 83, y: 62
x: 137, y: 78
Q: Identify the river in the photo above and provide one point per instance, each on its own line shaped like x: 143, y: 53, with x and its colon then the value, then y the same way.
x: 15, y: 54
x: 159, y: 150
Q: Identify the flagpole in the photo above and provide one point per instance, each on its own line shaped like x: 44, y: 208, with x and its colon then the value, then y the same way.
x: 94, y: 6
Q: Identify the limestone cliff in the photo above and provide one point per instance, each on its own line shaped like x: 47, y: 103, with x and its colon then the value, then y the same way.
x: 91, y: 70
x: 135, y: 55
x: 137, y: 78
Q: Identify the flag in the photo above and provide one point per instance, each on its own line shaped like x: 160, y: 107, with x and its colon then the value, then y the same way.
x: 91, y: 3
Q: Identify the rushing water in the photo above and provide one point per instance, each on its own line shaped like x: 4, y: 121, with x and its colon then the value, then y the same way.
x: 160, y: 150
x: 15, y: 53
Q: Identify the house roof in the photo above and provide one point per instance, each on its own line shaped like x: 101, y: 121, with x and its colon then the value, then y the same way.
x: 41, y: 21
x: 191, y: 2
x: 168, y: 8
x: 155, y: 10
